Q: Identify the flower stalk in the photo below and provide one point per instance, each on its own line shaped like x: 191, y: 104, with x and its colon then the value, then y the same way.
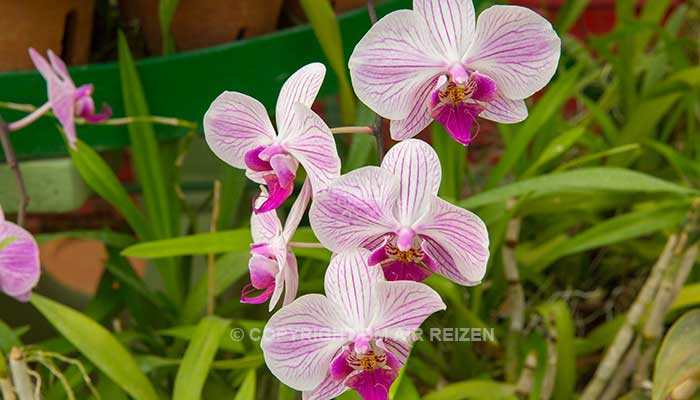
x: 211, y: 258
x: 515, y: 294
x: 368, y: 130
x: 11, y: 160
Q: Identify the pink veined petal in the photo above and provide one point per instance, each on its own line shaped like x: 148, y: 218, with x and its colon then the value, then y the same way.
x: 452, y: 23
x: 249, y: 289
x: 404, y: 307
x: 392, y: 62
x: 302, y: 87
x: 264, y: 227
x: 42, y: 65
x: 373, y: 385
x: 517, y: 48
x: 297, y: 211
x: 291, y: 279
x: 486, y: 89
x: 417, y: 166
x: 301, y: 339
x: 280, y: 280
x: 234, y: 125
x: 63, y: 105
x: 349, y: 284
x: 59, y: 66
x: 262, y: 271
x: 285, y: 168
x: 454, y: 233
x: 328, y: 389
x: 504, y: 110
x: 278, y: 194
x: 311, y: 143
x: 355, y: 209
x: 419, y: 118
x: 19, y: 261
x: 459, y: 120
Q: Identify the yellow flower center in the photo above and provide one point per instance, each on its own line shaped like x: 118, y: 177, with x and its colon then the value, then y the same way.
x: 369, y: 362
x: 405, y: 256
x: 456, y: 93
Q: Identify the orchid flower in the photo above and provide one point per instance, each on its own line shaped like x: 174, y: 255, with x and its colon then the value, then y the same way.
x: 437, y: 62
x: 19, y: 260
x: 238, y: 130
x: 65, y: 98
x: 357, y: 336
x: 273, y: 266
x: 394, y: 212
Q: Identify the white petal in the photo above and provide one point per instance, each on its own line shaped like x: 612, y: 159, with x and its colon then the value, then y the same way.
x: 504, y: 110
x: 301, y: 339
x: 235, y: 124
x: 298, y: 209
x: 517, y: 48
x: 311, y: 143
x: 349, y: 284
x: 392, y: 62
x: 302, y: 87
x: 418, y: 119
x: 265, y: 227
x: 452, y: 22
x: 355, y: 209
x: 418, y: 168
x: 328, y: 389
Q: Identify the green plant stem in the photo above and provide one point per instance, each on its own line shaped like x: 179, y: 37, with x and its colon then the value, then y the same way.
x: 617, y: 382
x: 626, y: 334
x: 527, y: 376
x: 20, y: 375
x: 211, y: 289
x: 169, y: 121
x: 550, y: 373
x: 14, y: 166
x: 515, y: 295
x: 368, y: 130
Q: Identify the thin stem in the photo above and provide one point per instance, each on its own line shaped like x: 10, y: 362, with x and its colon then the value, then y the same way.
x: 377, y: 127
x: 36, y: 114
x: 8, y: 392
x: 307, y: 245
x: 212, y: 263
x: 515, y: 294
x: 11, y: 160
x: 527, y: 376
x: 372, y: 12
x: 617, y: 382
x: 169, y: 121
x: 20, y: 375
x: 367, y: 130
x: 550, y: 374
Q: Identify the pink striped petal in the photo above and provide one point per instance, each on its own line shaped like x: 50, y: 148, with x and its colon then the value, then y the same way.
x: 392, y: 62
x: 19, y: 261
x: 297, y: 211
x: 419, y: 118
x: 457, y: 240
x: 301, y: 339
x: 355, y: 209
x: 264, y: 227
x: 328, y: 389
x: 403, y: 307
x: 311, y: 143
x: 452, y: 23
x: 417, y: 166
x: 302, y: 87
x: 59, y: 66
x: 349, y: 284
x: 280, y: 278
x: 373, y: 385
x: 517, y: 48
x: 504, y: 110
x: 291, y: 279
x: 236, y: 124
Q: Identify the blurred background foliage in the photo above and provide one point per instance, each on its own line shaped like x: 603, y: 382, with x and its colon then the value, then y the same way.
x: 591, y: 205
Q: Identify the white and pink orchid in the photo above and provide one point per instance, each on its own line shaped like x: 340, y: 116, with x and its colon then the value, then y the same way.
x: 239, y: 131
x: 357, y: 336
x: 394, y: 212
x: 439, y: 62
x: 66, y: 100
x: 273, y: 266
x: 19, y: 260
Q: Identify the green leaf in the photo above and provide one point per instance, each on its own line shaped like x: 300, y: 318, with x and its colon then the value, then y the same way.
x: 545, y: 108
x: 8, y: 338
x: 569, y: 14
x: 229, y: 269
x: 689, y: 296
x: 160, y: 200
x: 166, y: 11
x: 474, y: 389
x: 97, y: 345
x: 453, y: 156
x: 252, y: 362
x: 110, y: 238
x: 198, y: 358
x: 286, y: 393
x: 99, y: 176
x: 556, y: 148
x: 558, y: 318
x: 325, y: 26
x: 403, y: 388
x: 595, y: 178
x: 600, y: 337
x: 678, y: 359
x: 247, y: 389
x: 237, y: 240
x: 614, y: 230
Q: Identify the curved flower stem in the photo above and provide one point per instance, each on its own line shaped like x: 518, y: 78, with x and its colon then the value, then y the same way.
x: 169, y: 121
x: 11, y: 160
x: 307, y: 245
x: 27, y: 120
x: 367, y: 130
x: 377, y: 127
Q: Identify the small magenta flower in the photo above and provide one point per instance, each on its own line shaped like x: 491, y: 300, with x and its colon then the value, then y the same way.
x: 394, y: 212
x: 273, y: 266
x: 357, y: 336
x: 19, y: 260
x: 66, y: 100
x: 238, y: 130
x: 437, y: 62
